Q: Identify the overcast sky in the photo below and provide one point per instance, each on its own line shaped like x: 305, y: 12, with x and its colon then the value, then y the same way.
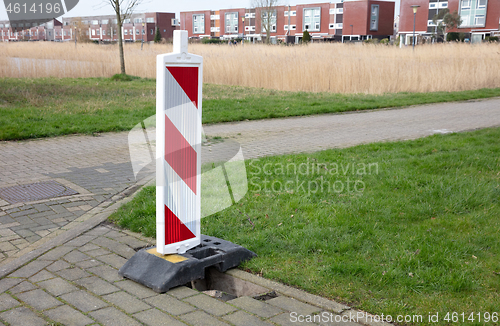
x: 99, y: 7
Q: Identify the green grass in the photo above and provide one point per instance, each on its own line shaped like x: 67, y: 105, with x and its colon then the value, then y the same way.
x: 423, y: 236
x: 46, y: 107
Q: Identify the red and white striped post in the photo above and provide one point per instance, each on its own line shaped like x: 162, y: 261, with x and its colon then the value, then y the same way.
x: 178, y: 148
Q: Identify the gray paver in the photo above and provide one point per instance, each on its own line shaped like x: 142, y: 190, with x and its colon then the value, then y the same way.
x: 106, y: 272
x: 7, y: 283
x: 182, y: 292
x: 293, y: 305
x: 22, y: 317
x: 57, y: 286
x: 41, y: 276
x: 241, y: 318
x: 154, y: 317
x: 39, y: 299
x: 210, y: 305
x: 72, y: 274
x: 76, y: 256
x: 81, y: 240
x: 96, y: 285
x: 84, y: 301
x: 135, y: 289
x: 113, y: 260
x: 256, y: 307
x: 113, y: 317
x: 88, y: 263
x: 56, y: 253
x: 57, y: 266
x: 7, y: 302
x: 126, y: 302
x: 68, y: 316
x: 200, y: 318
x: 22, y: 287
x: 169, y: 304
x: 31, y: 269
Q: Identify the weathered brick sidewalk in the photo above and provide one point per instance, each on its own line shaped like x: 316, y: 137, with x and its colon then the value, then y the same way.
x: 78, y: 284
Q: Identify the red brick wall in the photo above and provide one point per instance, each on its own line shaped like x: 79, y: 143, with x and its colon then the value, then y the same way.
x: 406, y: 18
x: 356, y: 13
x: 385, y: 20
x: 241, y: 27
x: 187, y: 22
x: 325, y: 17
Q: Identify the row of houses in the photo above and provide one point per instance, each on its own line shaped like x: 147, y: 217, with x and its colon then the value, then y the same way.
x: 480, y: 18
x: 340, y: 20
x: 139, y: 27
x: 333, y: 21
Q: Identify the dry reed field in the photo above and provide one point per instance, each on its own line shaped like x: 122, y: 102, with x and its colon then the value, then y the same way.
x: 337, y: 68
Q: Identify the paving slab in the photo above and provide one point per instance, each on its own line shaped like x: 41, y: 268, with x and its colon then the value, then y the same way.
x: 39, y: 299
x: 68, y: 316
x: 22, y: 317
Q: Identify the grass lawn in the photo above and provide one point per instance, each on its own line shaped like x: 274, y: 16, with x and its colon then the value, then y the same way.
x: 419, y: 234
x: 45, y: 107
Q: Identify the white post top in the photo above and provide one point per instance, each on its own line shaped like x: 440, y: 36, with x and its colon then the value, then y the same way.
x: 180, y: 41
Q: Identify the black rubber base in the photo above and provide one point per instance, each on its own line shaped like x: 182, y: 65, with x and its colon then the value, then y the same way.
x: 161, y: 275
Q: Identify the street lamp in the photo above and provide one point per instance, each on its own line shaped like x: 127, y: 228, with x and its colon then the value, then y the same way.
x: 75, y: 36
x: 415, y: 8
x: 142, y: 36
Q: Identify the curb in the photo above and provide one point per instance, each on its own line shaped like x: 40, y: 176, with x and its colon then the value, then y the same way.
x: 306, y: 297
x: 74, y: 229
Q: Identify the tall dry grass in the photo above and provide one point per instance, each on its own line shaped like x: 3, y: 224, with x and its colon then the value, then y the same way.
x: 338, y: 68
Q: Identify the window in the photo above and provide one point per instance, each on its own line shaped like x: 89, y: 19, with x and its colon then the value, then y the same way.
x: 131, y: 32
x: 98, y: 32
x: 152, y: 31
x: 138, y: 20
x: 465, y: 4
x: 479, y: 20
x: 124, y: 32
x: 137, y: 32
x: 199, y: 24
x: 20, y: 25
x: 269, y: 21
x: 481, y: 4
x: 332, y: 11
x: 1, y: 25
x: 294, y: 13
x: 93, y: 32
x: 95, y: 22
x: 432, y: 5
x: 312, y: 19
x: 331, y: 26
x: 293, y: 27
x: 443, y: 5
x: 105, y: 21
x: 231, y: 22
x: 286, y: 13
x: 14, y: 25
x: 126, y: 21
x: 374, y: 18
x: 150, y: 20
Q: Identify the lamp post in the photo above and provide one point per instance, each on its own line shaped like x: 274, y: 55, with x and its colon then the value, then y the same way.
x: 244, y: 25
x: 142, y: 36
x: 75, y: 37
x: 415, y: 8
x: 352, y: 31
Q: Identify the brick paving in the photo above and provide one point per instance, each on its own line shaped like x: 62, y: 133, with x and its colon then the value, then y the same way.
x: 76, y: 283
x: 60, y: 287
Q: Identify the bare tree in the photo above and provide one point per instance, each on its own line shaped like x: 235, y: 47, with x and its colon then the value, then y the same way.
x: 268, y: 16
x: 123, y: 10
